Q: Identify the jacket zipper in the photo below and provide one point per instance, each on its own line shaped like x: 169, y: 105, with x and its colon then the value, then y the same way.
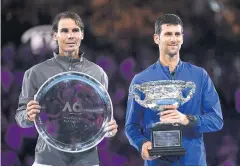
x: 70, y: 64
x: 173, y: 76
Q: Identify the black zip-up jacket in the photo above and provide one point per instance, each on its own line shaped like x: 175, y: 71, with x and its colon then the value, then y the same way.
x: 33, y: 79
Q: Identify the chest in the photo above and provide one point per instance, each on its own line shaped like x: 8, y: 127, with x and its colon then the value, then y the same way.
x: 51, y: 71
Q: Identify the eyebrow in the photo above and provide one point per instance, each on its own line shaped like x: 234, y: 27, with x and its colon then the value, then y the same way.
x: 64, y: 29
x: 173, y: 33
x: 77, y: 28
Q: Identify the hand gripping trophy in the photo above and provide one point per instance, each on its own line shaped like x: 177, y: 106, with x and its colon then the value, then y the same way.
x: 166, y: 137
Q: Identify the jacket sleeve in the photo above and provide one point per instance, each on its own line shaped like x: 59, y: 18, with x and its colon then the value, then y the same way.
x: 133, y: 126
x: 211, y: 120
x: 27, y: 94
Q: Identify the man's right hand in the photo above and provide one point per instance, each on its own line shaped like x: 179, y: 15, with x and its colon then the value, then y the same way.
x: 145, y: 155
x: 145, y: 147
x: 33, y: 109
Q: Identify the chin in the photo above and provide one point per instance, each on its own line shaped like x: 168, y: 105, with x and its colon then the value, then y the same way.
x: 172, y: 54
x: 70, y: 50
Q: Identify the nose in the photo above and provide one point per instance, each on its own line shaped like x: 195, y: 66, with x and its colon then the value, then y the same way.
x: 173, y: 38
x: 70, y: 35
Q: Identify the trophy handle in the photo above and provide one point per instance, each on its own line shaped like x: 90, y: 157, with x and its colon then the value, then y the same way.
x: 136, y: 95
x: 192, y: 87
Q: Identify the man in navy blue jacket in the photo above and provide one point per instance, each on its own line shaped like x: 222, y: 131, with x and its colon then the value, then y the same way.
x: 201, y: 114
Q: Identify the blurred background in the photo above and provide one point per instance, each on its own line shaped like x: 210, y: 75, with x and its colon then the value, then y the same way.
x: 119, y: 38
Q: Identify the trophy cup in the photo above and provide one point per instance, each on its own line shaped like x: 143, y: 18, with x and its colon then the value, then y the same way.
x: 166, y: 137
x: 75, y: 109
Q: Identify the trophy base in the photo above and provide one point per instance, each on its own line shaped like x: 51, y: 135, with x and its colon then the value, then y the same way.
x: 166, y: 140
x: 167, y: 151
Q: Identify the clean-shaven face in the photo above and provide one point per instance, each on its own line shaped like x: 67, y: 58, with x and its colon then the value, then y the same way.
x: 69, y: 36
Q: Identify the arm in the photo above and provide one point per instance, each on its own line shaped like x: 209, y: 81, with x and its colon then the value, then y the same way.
x: 133, y: 122
x: 111, y: 126
x: 211, y: 120
x: 28, y: 91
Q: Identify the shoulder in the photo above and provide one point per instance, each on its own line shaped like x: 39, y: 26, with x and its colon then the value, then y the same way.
x: 41, y: 66
x: 196, y: 70
x: 92, y: 65
x: 38, y: 68
x: 192, y: 67
x: 141, y: 76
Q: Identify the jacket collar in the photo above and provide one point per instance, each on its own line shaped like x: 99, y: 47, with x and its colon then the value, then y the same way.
x: 69, y: 58
x: 166, y: 68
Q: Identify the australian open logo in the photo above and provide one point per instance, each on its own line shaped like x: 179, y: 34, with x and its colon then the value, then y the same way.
x: 74, y: 108
x: 39, y: 37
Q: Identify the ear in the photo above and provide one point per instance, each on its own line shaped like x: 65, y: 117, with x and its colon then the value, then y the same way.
x: 156, y: 39
x: 55, y: 37
x: 182, y: 39
x: 82, y: 35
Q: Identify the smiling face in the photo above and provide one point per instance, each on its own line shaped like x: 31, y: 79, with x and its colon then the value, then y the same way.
x: 68, y: 36
x: 170, y: 39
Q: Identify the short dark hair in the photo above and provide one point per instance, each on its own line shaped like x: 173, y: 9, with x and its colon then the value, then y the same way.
x: 167, y: 19
x: 65, y: 15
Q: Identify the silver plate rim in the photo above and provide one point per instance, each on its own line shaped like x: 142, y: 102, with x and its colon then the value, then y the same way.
x: 106, y: 92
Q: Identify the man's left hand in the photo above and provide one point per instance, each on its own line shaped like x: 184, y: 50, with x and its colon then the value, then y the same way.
x: 111, y: 128
x: 172, y: 115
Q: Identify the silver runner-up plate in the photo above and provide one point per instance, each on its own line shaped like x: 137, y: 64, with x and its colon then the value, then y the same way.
x: 75, y: 108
